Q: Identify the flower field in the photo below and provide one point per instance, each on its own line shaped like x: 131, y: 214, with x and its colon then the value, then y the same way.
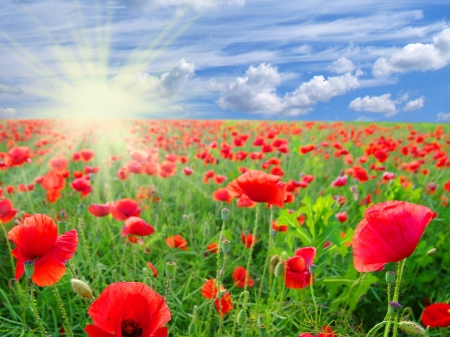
x: 224, y: 228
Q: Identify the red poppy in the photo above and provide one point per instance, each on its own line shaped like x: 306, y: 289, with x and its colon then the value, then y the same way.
x: 17, y: 156
x: 279, y: 228
x: 7, y: 211
x: 153, y: 268
x: 339, y: 181
x: 213, y: 248
x: 259, y: 187
x: 389, y: 232
x: 437, y: 315
x: 92, y: 169
x: 245, y: 201
x: 224, y: 303
x: 248, y: 239
x: 222, y: 194
x: 129, y: 309
x: 37, y: 239
x: 447, y: 186
x: 124, y: 208
x: 326, y: 332
x: 167, y: 169
x: 177, y: 241
x: 99, y: 210
x: 81, y: 185
x: 137, y: 226
x: 297, y: 273
x: 342, y: 217
x: 187, y: 171
x: 58, y: 164
x: 86, y: 155
x: 239, y: 275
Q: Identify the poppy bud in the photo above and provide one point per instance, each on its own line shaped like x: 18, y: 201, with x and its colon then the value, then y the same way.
x: 312, y: 269
x: 81, y: 288
x: 224, y: 214
x: 148, y: 281
x: 191, y: 328
x: 29, y: 268
x: 226, y: 246
x: 241, y: 318
x: 194, y: 314
x: 278, y: 269
x: 394, y: 308
x: 431, y: 251
x: 284, y: 256
x: 171, y: 268
x: 221, y: 293
x: 273, y: 263
x: 81, y: 209
x: 411, y: 328
x: 390, y: 277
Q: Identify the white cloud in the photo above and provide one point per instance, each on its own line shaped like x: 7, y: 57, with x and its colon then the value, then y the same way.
x: 173, y: 81
x: 342, y: 65
x: 256, y: 92
x: 416, y: 57
x: 415, y: 104
x: 7, y: 113
x: 381, y: 104
x: 364, y: 119
x: 443, y: 116
x: 196, y: 4
x: 10, y: 90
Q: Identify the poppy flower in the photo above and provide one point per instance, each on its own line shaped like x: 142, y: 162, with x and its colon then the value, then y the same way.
x: 17, y: 156
x: 124, y: 208
x: 222, y: 194
x: 248, y: 239
x: 342, y: 217
x: 213, y: 248
x: 437, y: 315
x: 137, y: 226
x: 177, y: 241
x: 245, y: 201
x: 279, y: 228
x: 339, y: 181
x: 209, y: 291
x: 86, y: 155
x: 187, y: 171
x: 81, y: 185
x: 58, y: 164
x: 128, y: 309
x: 326, y: 332
x: 7, y: 211
x: 99, y: 210
x: 37, y: 239
x: 389, y: 232
x: 153, y: 268
x: 259, y: 187
x: 239, y: 275
x: 297, y: 275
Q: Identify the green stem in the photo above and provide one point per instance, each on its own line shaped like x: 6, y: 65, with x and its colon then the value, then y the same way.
x: 33, y: 308
x: 316, y: 308
x: 242, y: 297
x: 376, y: 328
x: 255, y: 228
x: 398, y: 281
x: 269, y: 248
x: 67, y: 327
x: 85, y: 248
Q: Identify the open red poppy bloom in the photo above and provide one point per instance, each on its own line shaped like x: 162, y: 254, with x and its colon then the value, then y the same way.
x: 245, y: 201
x: 17, y: 156
x: 153, y: 268
x: 128, y: 309
x: 137, y: 226
x: 239, y: 275
x: 82, y: 185
x: 87, y: 155
x: 124, y: 208
x: 248, y: 239
x: 326, y: 332
x: 389, y: 232
x: 99, y: 210
x: 297, y: 273
x: 37, y: 239
x: 7, y: 211
x: 259, y: 187
x: 176, y: 241
x: 342, y: 217
x: 437, y: 315
x: 224, y: 303
x: 222, y: 194
x: 213, y: 248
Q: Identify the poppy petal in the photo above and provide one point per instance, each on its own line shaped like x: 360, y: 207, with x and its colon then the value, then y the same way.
x: 94, y: 331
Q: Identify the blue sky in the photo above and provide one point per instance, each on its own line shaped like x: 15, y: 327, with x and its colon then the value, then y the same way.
x: 226, y: 59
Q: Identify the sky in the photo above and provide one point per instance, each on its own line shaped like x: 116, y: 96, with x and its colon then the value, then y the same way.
x: 366, y: 60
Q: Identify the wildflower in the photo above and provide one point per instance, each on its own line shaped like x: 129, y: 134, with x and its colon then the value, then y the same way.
x: 128, y: 309
x: 177, y: 241
x: 37, y: 239
x: 437, y: 315
x: 297, y: 274
x: 248, y: 239
x: 100, y: 210
x: 224, y: 304
x: 222, y: 194
x: 124, y: 208
x: 342, y: 217
x: 137, y: 226
x: 7, y: 211
x: 239, y: 275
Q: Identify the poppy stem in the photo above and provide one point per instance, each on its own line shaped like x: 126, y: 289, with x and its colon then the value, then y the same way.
x: 398, y: 281
x: 84, y: 245
x: 269, y: 248
x: 33, y: 307
x: 242, y: 297
x: 376, y: 328
x: 316, y: 307
x: 67, y: 327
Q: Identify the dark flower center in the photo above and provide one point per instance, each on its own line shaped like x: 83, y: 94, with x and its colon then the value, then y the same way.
x: 130, y: 328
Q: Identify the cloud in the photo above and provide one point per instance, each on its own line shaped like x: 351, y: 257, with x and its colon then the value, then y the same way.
x: 364, y: 119
x: 143, y: 5
x: 342, y: 65
x: 173, y: 81
x: 381, y: 104
x: 7, y: 113
x: 256, y: 92
x: 415, y: 104
x: 7, y: 89
x: 416, y: 57
x: 441, y: 116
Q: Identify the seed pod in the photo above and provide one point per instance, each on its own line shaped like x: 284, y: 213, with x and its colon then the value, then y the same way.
x: 390, y: 277
x: 81, y: 288
x: 29, y: 268
x: 171, y: 268
x: 224, y: 214
x: 81, y: 209
x: 226, y: 246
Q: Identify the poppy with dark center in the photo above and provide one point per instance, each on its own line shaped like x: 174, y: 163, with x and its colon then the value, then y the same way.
x: 259, y: 187
x: 437, y: 315
x: 239, y: 275
x: 297, y: 275
x: 177, y: 241
x: 124, y: 208
x: 389, y: 232
x: 128, y: 309
x: 137, y: 226
x: 224, y: 304
x: 37, y: 239
x: 7, y: 211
